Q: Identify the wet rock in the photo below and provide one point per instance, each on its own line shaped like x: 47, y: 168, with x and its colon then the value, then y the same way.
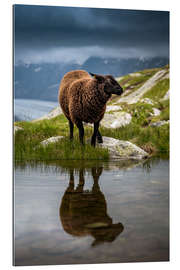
x: 51, y: 140
x: 159, y: 123
x: 116, y: 119
x: 119, y: 149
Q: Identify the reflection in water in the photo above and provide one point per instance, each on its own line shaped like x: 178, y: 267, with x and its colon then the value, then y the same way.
x: 57, y: 221
x: 85, y: 212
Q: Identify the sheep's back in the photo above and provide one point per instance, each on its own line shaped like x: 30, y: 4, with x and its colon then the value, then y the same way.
x: 65, y: 86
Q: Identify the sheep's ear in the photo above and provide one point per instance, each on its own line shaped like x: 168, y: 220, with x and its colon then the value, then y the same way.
x: 92, y: 74
x: 99, y: 78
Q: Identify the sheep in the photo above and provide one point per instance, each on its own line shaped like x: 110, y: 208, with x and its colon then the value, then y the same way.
x: 83, y: 97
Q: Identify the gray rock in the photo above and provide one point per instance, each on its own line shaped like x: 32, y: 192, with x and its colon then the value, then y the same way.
x: 16, y: 128
x: 51, y: 140
x: 137, y: 95
x: 159, y: 123
x: 166, y: 96
x: 147, y: 100
x: 119, y: 149
x: 111, y: 108
x: 116, y: 119
x: 156, y: 112
x: 137, y: 74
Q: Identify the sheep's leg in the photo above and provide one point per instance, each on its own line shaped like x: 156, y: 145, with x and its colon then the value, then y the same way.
x: 71, y: 182
x: 99, y: 137
x: 81, y: 181
x: 71, y: 127
x: 79, y: 125
x: 93, y: 139
x: 96, y: 172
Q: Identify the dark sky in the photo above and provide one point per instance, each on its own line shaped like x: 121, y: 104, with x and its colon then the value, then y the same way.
x: 51, y: 34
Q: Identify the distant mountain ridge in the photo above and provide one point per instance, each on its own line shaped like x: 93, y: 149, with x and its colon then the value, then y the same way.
x: 41, y: 81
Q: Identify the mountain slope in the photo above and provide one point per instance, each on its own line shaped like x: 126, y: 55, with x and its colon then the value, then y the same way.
x: 41, y: 81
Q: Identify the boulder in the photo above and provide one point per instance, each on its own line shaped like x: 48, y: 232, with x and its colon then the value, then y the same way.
x: 51, y: 140
x: 116, y: 119
x: 156, y: 112
x: 111, y: 108
x: 159, y: 123
x: 119, y: 149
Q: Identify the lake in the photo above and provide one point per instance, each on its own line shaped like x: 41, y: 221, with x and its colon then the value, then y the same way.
x: 29, y: 109
x: 75, y: 212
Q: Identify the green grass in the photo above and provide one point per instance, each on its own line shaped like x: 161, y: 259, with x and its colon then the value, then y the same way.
x: 27, y: 142
x: 158, y: 91
x: 154, y: 140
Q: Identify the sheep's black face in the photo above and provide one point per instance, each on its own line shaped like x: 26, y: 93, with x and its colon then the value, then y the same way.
x: 112, y: 86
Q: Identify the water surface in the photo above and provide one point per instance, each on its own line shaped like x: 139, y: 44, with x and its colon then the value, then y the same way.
x: 91, y: 212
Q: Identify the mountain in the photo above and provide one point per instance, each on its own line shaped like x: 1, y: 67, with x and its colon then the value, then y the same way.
x: 41, y: 81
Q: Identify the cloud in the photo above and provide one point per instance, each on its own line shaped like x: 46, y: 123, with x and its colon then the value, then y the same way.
x: 60, y: 33
x: 80, y: 54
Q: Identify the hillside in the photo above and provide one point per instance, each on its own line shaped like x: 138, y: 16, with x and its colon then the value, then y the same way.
x: 140, y: 116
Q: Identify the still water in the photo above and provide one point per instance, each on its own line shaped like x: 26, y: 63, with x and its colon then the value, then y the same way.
x: 91, y: 212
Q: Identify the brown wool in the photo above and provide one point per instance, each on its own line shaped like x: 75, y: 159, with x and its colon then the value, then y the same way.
x: 82, y: 98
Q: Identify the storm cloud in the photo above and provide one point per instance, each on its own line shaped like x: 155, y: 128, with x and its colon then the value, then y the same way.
x: 51, y: 34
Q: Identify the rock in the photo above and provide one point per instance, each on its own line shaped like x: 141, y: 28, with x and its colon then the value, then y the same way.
x: 166, y: 96
x: 147, y: 100
x: 51, y: 140
x: 55, y: 112
x: 136, y: 95
x: 16, y: 128
x: 116, y: 119
x: 137, y: 74
x: 156, y: 112
x: 119, y: 149
x: 119, y: 78
x: 159, y: 123
x: 113, y: 108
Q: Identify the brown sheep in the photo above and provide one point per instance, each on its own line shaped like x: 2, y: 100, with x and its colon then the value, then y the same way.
x: 83, y: 98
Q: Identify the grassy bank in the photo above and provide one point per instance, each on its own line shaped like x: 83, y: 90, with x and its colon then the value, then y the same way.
x: 27, y: 141
x: 28, y: 147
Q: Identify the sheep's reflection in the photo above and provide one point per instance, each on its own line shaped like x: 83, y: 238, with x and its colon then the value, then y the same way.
x: 85, y: 212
